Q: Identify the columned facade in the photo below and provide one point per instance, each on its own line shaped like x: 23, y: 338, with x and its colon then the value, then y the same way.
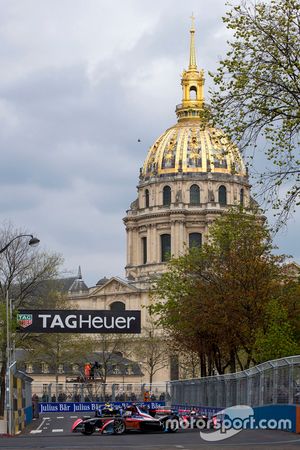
x: 192, y: 174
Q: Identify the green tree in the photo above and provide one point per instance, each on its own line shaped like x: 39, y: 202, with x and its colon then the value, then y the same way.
x: 22, y: 271
x: 291, y: 300
x: 278, y: 340
x: 212, y: 299
x: 258, y: 91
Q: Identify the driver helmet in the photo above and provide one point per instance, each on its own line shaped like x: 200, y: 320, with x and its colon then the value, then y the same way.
x: 108, y: 406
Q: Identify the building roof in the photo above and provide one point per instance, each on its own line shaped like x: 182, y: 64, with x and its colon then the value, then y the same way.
x: 191, y: 146
x: 78, y: 286
x: 114, y: 361
x: 102, y: 281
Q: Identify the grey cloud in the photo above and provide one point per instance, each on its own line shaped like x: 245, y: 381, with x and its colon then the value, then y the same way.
x: 80, y: 83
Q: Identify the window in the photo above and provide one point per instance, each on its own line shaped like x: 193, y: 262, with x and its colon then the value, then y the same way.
x: 167, y: 196
x: 194, y: 195
x: 75, y: 368
x: 195, y: 240
x: 117, y: 306
x: 28, y: 368
x: 45, y: 368
x: 222, y: 195
x: 60, y: 368
x: 144, y: 250
x: 146, y: 198
x: 242, y: 197
x: 193, y: 93
x: 165, y: 240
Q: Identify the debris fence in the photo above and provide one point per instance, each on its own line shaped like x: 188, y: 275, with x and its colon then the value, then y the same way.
x: 272, y: 382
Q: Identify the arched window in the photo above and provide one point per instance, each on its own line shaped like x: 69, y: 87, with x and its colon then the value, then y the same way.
x: 167, y: 196
x: 193, y: 93
x: 195, y: 240
x: 165, y: 244
x: 144, y: 250
x: 194, y: 195
x: 146, y: 198
x: 117, y: 306
x: 242, y: 197
x: 222, y: 195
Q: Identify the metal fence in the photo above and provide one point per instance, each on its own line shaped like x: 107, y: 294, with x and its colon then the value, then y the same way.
x: 272, y: 382
x: 101, y: 392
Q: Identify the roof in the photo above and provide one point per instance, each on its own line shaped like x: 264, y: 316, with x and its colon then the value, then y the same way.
x: 191, y: 148
x: 112, y: 359
x: 78, y: 286
x: 102, y: 281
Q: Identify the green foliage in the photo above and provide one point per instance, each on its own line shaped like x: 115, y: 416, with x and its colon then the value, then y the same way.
x: 258, y: 90
x: 278, y: 340
x: 212, y: 299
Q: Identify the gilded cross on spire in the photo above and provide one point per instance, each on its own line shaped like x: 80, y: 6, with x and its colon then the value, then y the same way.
x: 193, y: 64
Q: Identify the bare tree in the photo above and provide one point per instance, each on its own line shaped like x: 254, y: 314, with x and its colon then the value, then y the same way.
x: 22, y: 271
x: 56, y: 348
x: 152, y: 350
x: 107, y: 346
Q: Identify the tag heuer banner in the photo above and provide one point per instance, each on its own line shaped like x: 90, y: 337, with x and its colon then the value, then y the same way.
x: 74, y: 321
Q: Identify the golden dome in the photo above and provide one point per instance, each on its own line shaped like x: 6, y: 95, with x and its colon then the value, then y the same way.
x: 190, y: 146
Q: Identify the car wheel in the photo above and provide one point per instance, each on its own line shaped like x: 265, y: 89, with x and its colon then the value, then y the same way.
x: 119, y: 427
x: 88, y: 429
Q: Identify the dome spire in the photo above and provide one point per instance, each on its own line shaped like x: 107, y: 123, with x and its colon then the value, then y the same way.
x: 193, y: 63
x: 192, y: 82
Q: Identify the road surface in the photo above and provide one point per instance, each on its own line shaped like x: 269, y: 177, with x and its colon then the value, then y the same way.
x: 53, y: 431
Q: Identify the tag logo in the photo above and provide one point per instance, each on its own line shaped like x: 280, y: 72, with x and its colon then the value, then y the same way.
x: 24, y: 320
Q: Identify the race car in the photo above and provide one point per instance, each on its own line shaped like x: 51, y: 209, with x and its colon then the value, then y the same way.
x: 193, y: 418
x: 134, y: 418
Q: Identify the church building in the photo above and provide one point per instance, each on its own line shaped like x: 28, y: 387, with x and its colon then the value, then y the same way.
x: 191, y: 175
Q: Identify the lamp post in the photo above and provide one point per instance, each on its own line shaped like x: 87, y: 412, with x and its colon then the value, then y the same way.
x: 32, y: 242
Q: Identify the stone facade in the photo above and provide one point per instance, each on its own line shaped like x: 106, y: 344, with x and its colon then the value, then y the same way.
x: 179, y: 219
x: 191, y: 175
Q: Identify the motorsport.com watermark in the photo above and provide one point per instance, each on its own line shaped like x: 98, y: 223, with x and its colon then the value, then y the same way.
x: 228, y: 422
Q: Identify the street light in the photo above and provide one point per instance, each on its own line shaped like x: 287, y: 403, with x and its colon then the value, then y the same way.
x: 32, y: 242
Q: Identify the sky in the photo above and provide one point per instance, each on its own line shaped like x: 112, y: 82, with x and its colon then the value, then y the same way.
x: 81, y: 81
